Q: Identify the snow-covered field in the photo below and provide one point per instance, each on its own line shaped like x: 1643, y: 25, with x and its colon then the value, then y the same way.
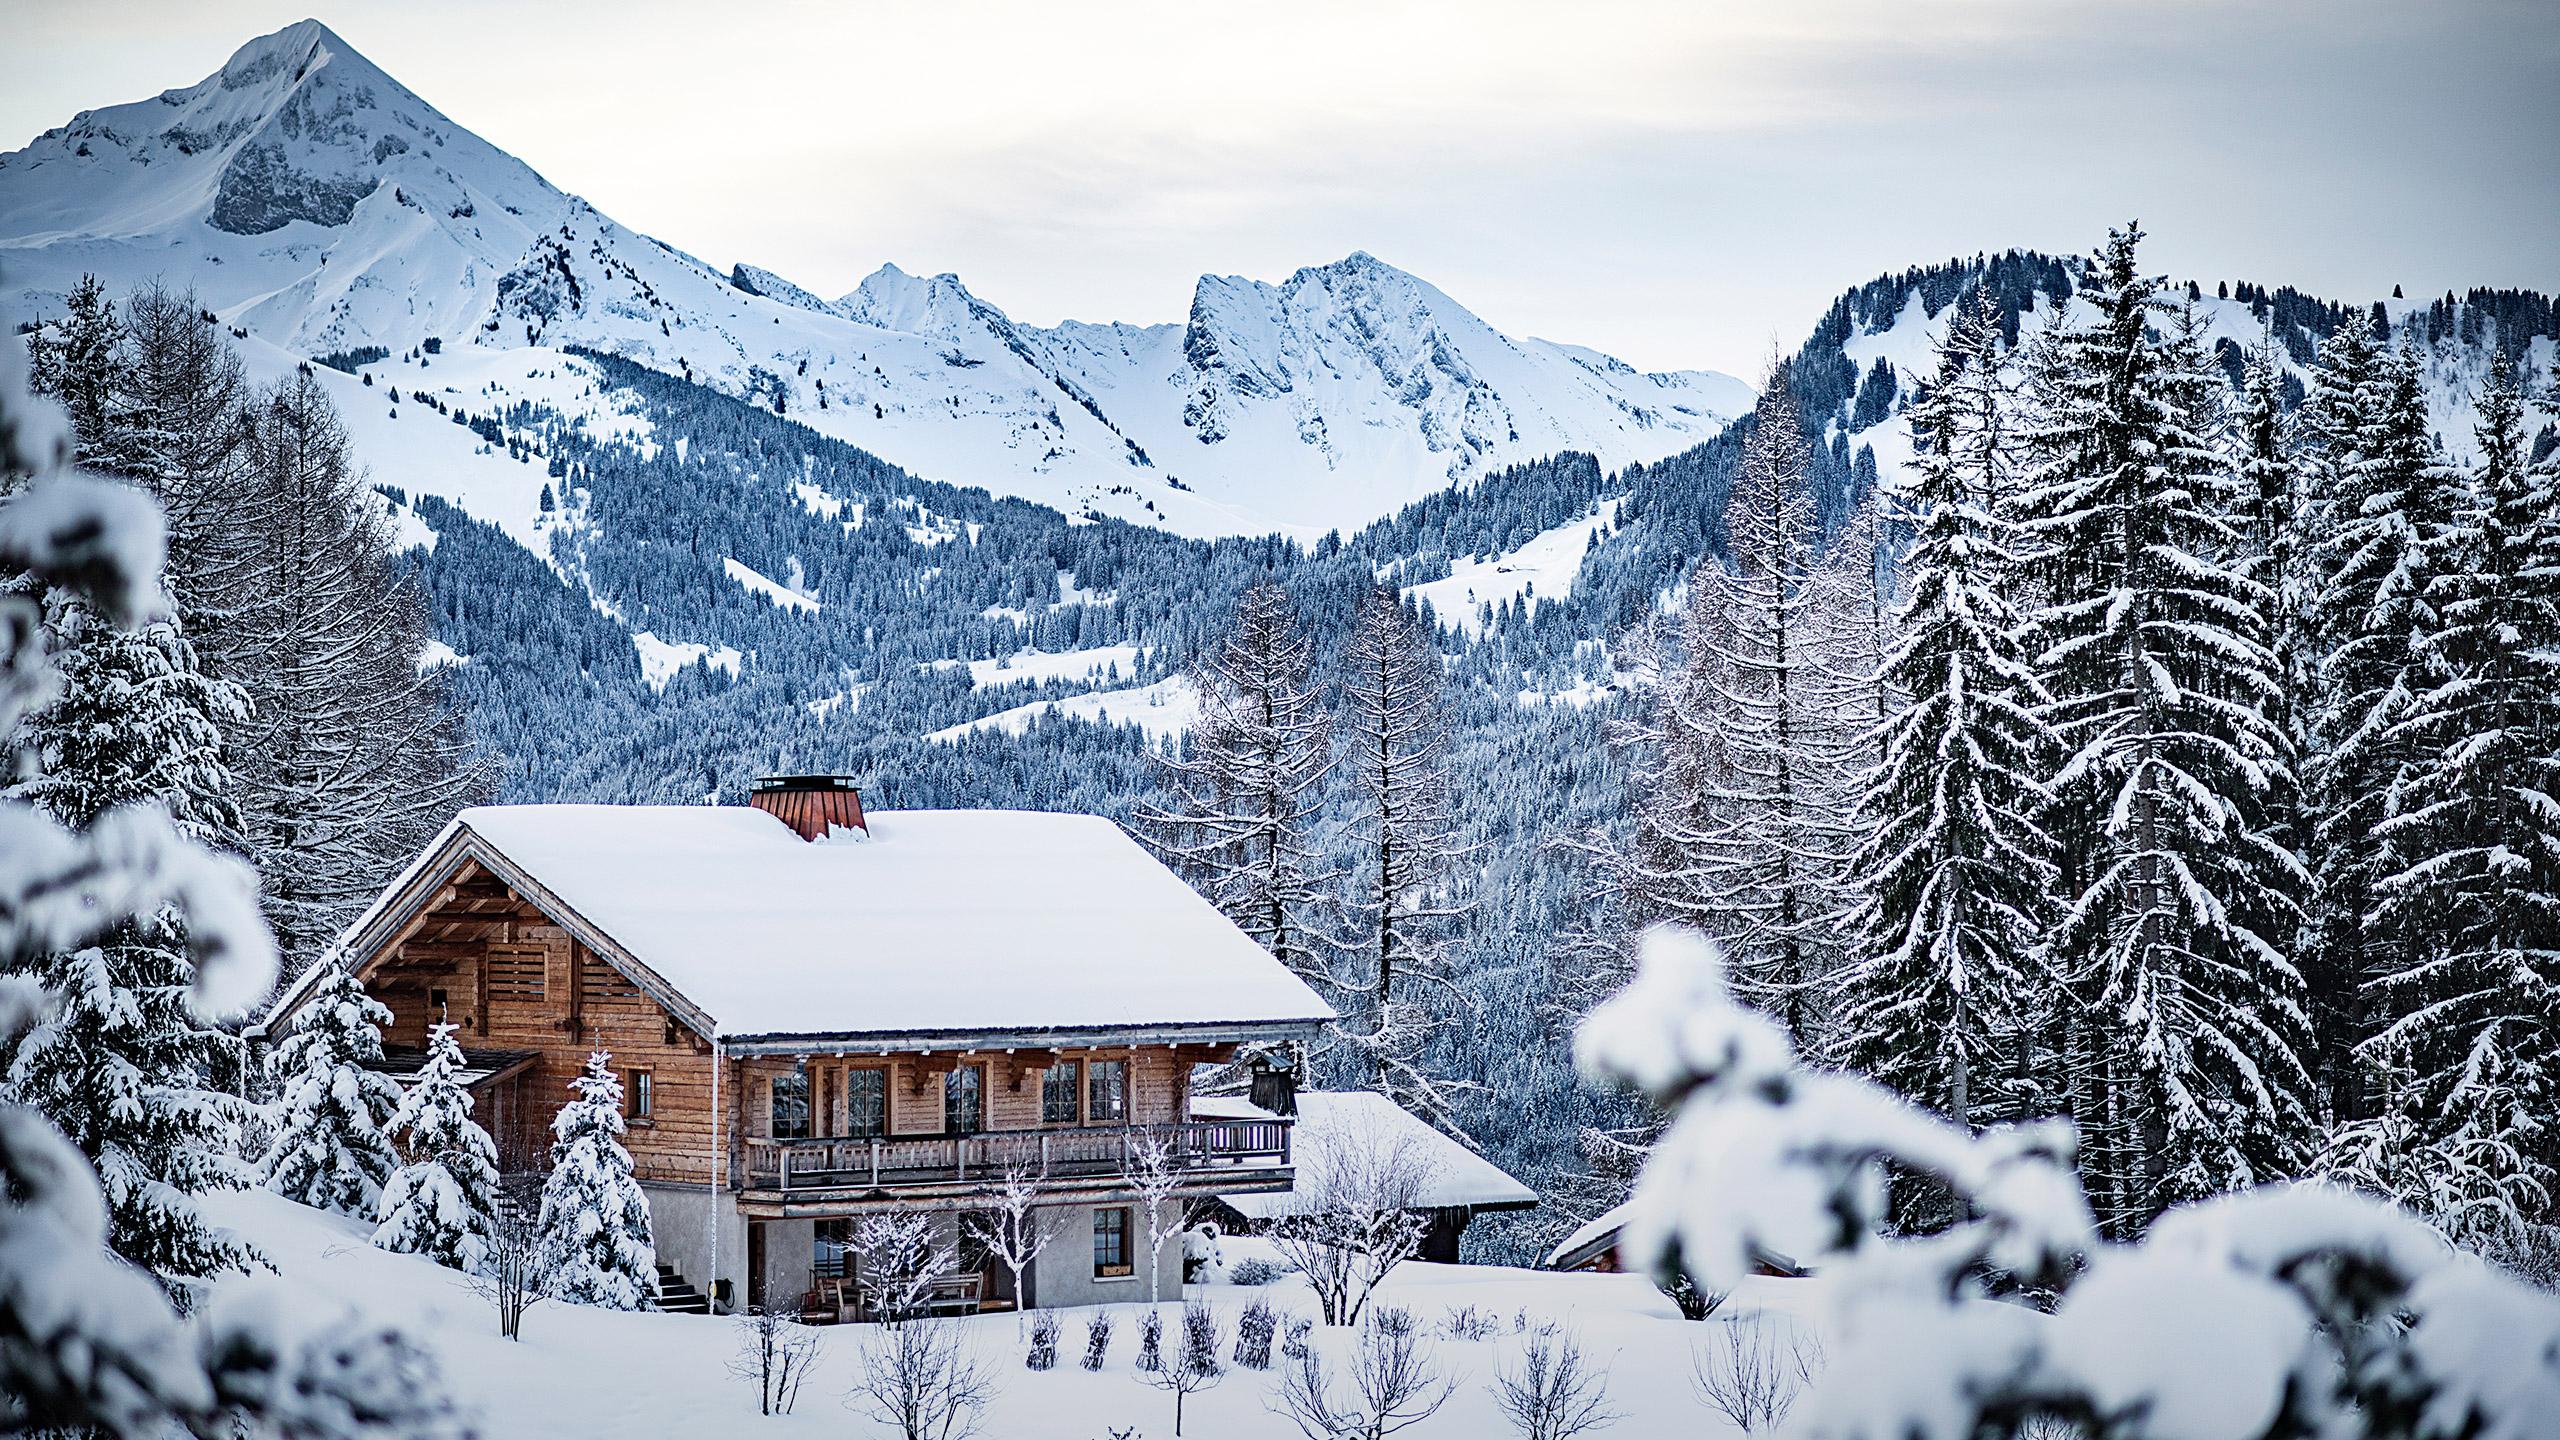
x: 582, y: 1372
x: 1164, y: 709
x: 1543, y: 567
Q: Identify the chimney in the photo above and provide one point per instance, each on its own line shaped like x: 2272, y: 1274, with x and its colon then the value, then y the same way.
x: 813, y: 805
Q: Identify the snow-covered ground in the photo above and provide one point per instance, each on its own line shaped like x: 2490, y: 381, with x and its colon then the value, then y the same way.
x: 1543, y: 567
x: 1030, y: 667
x: 788, y: 596
x: 660, y: 660
x: 1163, y: 710
x: 584, y: 1372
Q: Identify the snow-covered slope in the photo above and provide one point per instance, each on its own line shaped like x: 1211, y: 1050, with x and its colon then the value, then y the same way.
x: 311, y: 199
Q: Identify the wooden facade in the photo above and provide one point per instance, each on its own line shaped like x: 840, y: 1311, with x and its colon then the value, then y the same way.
x: 485, y: 958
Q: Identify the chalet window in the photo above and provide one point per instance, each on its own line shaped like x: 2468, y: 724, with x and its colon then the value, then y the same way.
x: 1107, y: 1084
x: 791, y: 1105
x: 866, y: 1104
x: 1110, y: 1244
x: 636, y: 1099
x: 1058, y: 1094
x: 964, y: 1100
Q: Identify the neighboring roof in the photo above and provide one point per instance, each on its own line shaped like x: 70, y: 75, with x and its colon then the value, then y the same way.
x: 1597, y: 1234
x: 1460, y: 1178
x: 938, y: 923
x: 404, y: 1062
x: 1589, y: 1239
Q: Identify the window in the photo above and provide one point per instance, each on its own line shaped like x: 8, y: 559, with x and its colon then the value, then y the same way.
x: 866, y: 1104
x: 1107, y: 1086
x: 635, y: 1095
x: 1058, y: 1094
x: 1110, y: 1244
x: 791, y: 1104
x: 435, y: 1002
x: 964, y: 1093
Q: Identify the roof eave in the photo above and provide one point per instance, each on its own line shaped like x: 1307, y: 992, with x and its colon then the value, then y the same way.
x: 1216, y: 1032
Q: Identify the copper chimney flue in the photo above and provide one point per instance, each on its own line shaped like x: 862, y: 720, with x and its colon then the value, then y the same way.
x: 812, y: 805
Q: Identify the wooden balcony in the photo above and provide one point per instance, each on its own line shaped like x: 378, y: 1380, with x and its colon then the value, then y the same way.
x: 1208, y: 1155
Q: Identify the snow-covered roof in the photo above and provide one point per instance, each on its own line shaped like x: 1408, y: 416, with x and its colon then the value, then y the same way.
x: 939, y: 922
x: 1457, y: 1176
x: 1579, y: 1246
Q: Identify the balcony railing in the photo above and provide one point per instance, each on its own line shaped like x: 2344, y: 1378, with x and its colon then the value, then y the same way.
x: 1081, y: 1154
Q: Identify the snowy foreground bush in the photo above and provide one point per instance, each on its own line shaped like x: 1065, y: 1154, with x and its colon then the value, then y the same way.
x: 2287, y: 1310
x: 87, y: 1340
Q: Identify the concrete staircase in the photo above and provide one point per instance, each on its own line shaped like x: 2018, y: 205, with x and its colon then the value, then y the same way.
x: 677, y: 1295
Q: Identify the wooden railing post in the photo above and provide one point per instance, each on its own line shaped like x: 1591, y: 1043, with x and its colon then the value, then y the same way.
x: 875, y: 1164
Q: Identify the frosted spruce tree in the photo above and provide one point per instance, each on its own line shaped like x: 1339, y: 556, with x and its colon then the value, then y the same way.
x: 93, y: 1344
x: 2363, y: 574
x: 1405, y: 867
x: 125, y: 1067
x: 439, y: 1203
x: 2178, y: 904
x: 1956, y: 870
x: 2473, y: 831
x: 596, y: 1248
x: 332, y: 1148
x: 1247, y: 787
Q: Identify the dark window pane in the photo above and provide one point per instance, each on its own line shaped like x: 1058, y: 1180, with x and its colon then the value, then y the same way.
x: 964, y: 1100
x: 1109, y: 1082
x: 635, y: 1093
x: 1058, y: 1094
x: 866, y: 1104
x: 1110, y: 1242
x: 791, y: 1105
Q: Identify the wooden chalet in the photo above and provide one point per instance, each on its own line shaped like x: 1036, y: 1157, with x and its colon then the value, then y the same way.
x: 820, y: 1015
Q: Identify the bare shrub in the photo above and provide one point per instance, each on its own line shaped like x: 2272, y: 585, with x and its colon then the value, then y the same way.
x: 1554, y: 1393
x: 1254, y: 1329
x: 1014, y: 1231
x: 1151, y: 1340
x: 1097, y: 1339
x: 1044, y: 1341
x: 1295, y: 1346
x: 1392, y: 1381
x: 898, y: 1260
x: 919, y: 1381
x: 512, y: 1277
x: 775, y: 1354
x: 1196, y: 1368
x: 1753, y: 1372
x: 1354, y: 1216
x: 1469, y: 1322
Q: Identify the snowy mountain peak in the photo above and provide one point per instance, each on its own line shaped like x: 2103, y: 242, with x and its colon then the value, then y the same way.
x: 311, y: 199
x: 938, y: 305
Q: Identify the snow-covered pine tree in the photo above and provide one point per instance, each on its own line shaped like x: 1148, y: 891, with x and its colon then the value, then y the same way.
x: 2363, y: 572
x: 1776, y: 864
x: 124, y: 1069
x: 596, y: 1244
x: 2470, y: 824
x: 2178, y: 903
x: 332, y: 1147
x: 1247, y: 787
x: 92, y: 1344
x: 352, y: 759
x: 1956, y: 871
x: 439, y: 1203
x: 1395, y: 743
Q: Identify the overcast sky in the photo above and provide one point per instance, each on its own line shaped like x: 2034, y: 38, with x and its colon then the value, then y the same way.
x: 1678, y: 183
